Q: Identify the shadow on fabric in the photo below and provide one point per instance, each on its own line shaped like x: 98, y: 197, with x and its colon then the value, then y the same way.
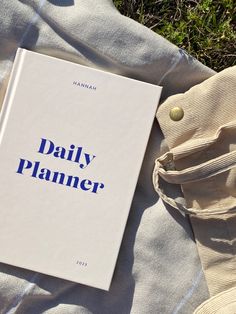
x: 62, y: 3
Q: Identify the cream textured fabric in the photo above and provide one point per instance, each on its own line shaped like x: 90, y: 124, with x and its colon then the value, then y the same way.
x: 216, y: 240
x: 202, y: 144
x: 202, y: 160
x: 223, y: 303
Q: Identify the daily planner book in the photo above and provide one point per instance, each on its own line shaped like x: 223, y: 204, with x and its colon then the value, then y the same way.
x: 72, y: 141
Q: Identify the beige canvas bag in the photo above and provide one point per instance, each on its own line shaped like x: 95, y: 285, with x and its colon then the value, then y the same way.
x: 200, y: 130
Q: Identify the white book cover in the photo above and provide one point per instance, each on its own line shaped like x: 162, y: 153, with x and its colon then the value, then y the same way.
x: 72, y: 142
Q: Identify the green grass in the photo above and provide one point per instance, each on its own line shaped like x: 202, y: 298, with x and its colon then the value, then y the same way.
x: 204, y: 28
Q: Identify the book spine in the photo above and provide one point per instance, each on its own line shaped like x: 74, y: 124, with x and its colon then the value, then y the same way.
x: 9, y: 96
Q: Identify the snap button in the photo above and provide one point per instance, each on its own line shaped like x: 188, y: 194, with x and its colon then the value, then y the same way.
x: 176, y: 113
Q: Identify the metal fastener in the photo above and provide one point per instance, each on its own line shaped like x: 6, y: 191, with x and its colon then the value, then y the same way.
x: 176, y: 113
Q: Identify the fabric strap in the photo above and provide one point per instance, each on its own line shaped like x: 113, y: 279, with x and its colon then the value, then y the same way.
x: 214, y: 231
x: 196, y: 173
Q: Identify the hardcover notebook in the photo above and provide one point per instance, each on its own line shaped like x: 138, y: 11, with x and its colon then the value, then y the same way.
x: 72, y: 141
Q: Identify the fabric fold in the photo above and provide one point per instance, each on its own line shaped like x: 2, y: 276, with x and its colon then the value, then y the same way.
x: 202, y: 160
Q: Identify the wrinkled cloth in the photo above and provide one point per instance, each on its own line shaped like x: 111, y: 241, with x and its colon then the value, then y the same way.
x: 158, y: 268
x: 202, y: 160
